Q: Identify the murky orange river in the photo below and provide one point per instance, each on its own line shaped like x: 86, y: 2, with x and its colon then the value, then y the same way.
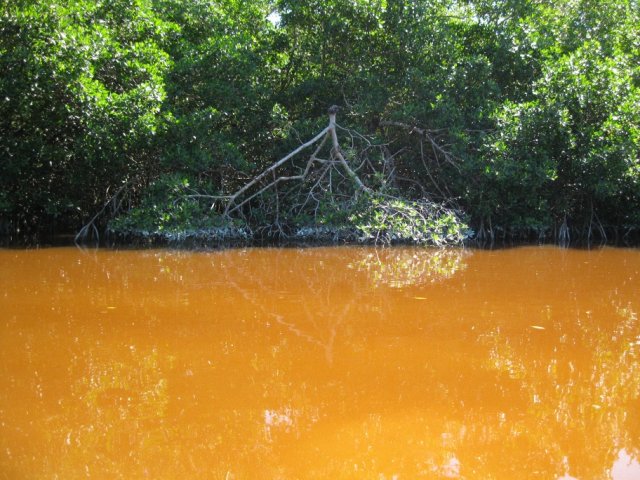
x: 320, y: 363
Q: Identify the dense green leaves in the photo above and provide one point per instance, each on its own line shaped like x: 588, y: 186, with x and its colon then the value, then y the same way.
x: 528, y: 112
x: 571, y: 150
x: 82, y: 85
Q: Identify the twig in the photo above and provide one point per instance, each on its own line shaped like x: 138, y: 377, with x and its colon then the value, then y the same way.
x: 91, y: 225
x: 266, y: 172
x: 336, y: 153
x: 427, y: 134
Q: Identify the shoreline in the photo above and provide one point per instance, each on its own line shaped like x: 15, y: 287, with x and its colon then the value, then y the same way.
x: 208, y: 240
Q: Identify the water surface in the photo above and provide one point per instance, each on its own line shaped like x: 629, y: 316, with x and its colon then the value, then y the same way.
x: 320, y: 363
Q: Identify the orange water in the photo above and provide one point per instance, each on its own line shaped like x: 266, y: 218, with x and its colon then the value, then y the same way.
x: 323, y: 363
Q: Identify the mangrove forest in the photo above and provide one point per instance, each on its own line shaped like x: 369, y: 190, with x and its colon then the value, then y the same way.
x: 373, y: 121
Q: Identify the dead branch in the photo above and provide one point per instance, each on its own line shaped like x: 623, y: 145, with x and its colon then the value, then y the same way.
x: 91, y: 226
x: 428, y: 170
x: 234, y: 203
x: 336, y: 150
x: 231, y: 205
x: 427, y: 135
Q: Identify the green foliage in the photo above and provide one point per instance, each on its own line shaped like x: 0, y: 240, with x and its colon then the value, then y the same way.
x: 386, y: 220
x: 81, y: 88
x: 168, y: 207
x: 219, y: 91
x: 532, y: 108
x: 573, y: 148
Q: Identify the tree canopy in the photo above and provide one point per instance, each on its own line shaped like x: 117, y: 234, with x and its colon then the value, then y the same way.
x: 521, y: 116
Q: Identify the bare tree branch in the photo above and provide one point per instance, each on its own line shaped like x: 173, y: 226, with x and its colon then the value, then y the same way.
x: 428, y: 135
x: 269, y: 170
x: 235, y: 204
x: 90, y: 226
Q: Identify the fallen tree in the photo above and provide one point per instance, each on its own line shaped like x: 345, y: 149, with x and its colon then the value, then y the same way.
x: 341, y: 194
x: 335, y: 194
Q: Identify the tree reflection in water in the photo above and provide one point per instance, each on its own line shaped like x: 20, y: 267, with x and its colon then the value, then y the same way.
x: 320, y: 363
x: 408, y: 267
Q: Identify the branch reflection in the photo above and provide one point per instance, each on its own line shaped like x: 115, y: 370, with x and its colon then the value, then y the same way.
x: 321, y: 363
